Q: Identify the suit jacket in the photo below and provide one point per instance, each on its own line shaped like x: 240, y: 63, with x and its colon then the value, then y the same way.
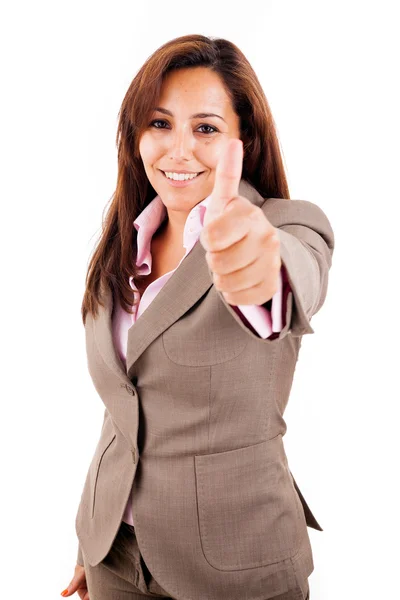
x: 194, y: 427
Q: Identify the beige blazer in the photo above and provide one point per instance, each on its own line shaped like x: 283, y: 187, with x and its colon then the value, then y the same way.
x: 195, y: 424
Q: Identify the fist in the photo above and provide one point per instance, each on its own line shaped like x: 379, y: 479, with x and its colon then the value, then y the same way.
x: 242, y: 247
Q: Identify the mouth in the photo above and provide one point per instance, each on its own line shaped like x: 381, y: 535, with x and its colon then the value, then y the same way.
x: 199, y: 173
x: 181, y: 182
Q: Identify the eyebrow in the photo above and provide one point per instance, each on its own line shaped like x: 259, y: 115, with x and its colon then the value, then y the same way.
x: 196, y: 116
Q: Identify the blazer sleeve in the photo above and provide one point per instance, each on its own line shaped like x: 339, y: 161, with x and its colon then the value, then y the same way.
x: 306, y: 246
x: 79, y: 558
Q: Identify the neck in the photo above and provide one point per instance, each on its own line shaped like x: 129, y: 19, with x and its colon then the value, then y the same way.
x: 171, y: 229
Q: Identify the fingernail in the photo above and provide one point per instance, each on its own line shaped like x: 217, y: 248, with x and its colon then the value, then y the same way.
x: 65, y: 592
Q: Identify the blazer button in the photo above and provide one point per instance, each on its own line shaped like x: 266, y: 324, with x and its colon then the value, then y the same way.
x: 134, y: 455
x: 130, y: 390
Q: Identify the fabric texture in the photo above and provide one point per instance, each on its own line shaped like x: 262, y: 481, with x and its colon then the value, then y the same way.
x: 123, y: 574
x: 194, y: 423
x: 260, y: 319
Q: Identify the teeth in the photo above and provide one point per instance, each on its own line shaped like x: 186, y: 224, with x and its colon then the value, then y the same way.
x: 180, y: 176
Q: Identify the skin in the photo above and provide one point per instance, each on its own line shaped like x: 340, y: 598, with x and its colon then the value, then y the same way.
x: 77, y: 584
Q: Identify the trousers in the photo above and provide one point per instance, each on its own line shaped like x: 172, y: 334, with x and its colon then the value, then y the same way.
x: 123, y: 574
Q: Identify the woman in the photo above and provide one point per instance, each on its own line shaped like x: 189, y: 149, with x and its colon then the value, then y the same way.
x: 194, y: 318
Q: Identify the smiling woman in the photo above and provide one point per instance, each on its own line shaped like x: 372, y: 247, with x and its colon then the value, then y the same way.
x: 191, y: 454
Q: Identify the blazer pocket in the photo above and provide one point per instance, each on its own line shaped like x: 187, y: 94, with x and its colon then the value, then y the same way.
x: 248, y: 510
x: 100, y: 452
x: 207, y: 334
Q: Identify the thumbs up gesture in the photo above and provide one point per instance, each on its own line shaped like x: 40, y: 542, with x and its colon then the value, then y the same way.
x: 243, y: 247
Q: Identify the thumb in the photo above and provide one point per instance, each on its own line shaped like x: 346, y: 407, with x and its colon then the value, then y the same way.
x: 227, y: 178
x: 78, y: 581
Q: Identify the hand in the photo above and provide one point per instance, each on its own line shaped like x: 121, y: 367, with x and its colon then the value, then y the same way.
x: 243, y: 247
x: 78, y: 583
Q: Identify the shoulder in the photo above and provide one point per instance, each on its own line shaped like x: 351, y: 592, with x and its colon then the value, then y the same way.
x: 285, y: 213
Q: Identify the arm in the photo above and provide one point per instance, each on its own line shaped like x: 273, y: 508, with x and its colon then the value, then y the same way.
x: 306, y: 246
x: 79, y: 558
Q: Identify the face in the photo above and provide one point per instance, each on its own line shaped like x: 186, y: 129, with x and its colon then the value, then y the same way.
x: 177, y: 140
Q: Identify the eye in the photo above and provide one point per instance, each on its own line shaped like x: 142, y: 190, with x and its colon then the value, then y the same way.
x: 211, y: 127
x: 157, y: 121
x: 214, y: 129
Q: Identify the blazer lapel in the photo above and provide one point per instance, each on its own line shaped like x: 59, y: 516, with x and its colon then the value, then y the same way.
x: 187, y: 284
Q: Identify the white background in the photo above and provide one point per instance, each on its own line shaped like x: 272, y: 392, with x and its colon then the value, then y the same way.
x: 330, y: 74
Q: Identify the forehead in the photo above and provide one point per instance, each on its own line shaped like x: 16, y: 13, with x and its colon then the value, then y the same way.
x: 194, y: 87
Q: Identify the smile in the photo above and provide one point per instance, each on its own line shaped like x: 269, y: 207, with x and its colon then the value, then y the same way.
x: 181, y: 179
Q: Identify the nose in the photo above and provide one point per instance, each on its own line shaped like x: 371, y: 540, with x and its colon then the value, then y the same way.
x: 181, y: 144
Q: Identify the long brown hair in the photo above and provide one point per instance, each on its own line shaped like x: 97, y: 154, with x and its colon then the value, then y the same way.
x: 114, y: 258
